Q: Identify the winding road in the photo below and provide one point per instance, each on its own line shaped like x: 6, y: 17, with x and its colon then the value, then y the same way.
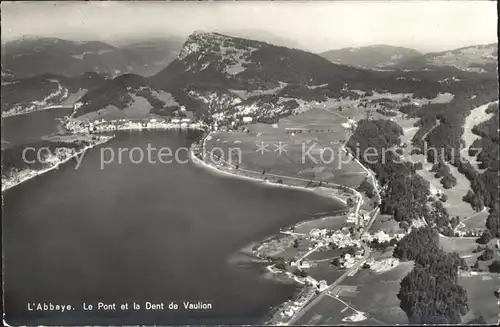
x: 316, y: 299
x: 309, y: 305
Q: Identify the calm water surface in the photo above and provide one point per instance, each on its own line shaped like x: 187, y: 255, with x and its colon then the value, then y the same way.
x: 31, y: 127
x: 143, y: 232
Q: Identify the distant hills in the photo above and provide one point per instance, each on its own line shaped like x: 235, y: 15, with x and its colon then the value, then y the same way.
x: 30, y: 57
x: 478, y: 58
x: 45, y: 90
x: 215, y: 76
x: 223, y: 77
x: 371, y: 57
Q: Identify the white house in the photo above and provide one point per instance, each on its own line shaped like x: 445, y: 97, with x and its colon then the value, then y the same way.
x: 318, y: 233
x: 382, y: 236
x: 304, y: 265
x: 311, y: 281
x: 322, y: 285
x: 247, y: 119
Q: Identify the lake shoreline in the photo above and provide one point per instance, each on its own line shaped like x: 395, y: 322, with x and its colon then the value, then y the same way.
x: 30, y: 174
x: 34, y: 173
x: 27, y: 112
x: 305, y: 292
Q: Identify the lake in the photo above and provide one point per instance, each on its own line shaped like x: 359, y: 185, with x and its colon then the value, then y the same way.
x: 137, y: 232
x: 22, y: 129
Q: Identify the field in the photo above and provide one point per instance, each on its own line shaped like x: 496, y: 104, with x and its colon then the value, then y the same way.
x: 377, y: 293
x: 323, y: 270
x: 481, y: 299
x: 385, y: 223
x: 374, y: 294
x: 477, y: 221
x: 476, y: 116
x: 308, y: 146
x: 331, y: 312
x: 455, y: 205
x: 330, y: 223
x: 462, y: 245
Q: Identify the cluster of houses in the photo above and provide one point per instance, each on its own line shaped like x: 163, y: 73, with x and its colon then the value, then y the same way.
x: 477, y: 232
x: 102, y: 125
x: 291, y: 307
x: 381, y: 236
x: 322, y: 238
x: 350, y: 124
x: 362, y: 214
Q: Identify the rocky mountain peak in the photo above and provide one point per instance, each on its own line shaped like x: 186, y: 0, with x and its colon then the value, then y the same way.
x: 203, y: 42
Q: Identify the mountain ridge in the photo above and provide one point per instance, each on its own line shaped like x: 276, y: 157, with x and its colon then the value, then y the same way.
x: 216, y: 75
x: 370, y: 57
x: 29, y: 57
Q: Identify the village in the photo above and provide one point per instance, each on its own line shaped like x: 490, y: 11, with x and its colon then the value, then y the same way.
x: 318, y: 257
x: 100, y: 126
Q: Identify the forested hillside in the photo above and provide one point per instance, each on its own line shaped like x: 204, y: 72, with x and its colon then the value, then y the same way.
x: 430, y: 293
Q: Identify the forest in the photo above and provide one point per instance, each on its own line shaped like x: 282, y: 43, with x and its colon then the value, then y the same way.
x: 405, y: 193
x: 444, y: 125
x: 430, y: 293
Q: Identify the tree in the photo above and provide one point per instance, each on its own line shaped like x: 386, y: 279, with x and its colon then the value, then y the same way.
x: 495, y: 266
x: 350, y: 250
x: 280, y: 264
x: 296, y: 243
x: 485, y: 237
x: 449, y: 181
x: 336, y: 262
x: 492, y: 222
x: 350, y: 202
x: 367, y: 188
x: 300, y: 273
x: 486, y: 255
x: 473, y: 200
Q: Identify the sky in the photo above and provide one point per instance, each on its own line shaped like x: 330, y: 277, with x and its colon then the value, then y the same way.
x: 426, y: 26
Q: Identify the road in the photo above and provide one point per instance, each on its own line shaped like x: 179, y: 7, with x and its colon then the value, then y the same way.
x: 370, y: 223
x: 318, y: 298
x: 253, y: 172
x: 354, y: 309
x: 461, y: 224
x: 308, y: 305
